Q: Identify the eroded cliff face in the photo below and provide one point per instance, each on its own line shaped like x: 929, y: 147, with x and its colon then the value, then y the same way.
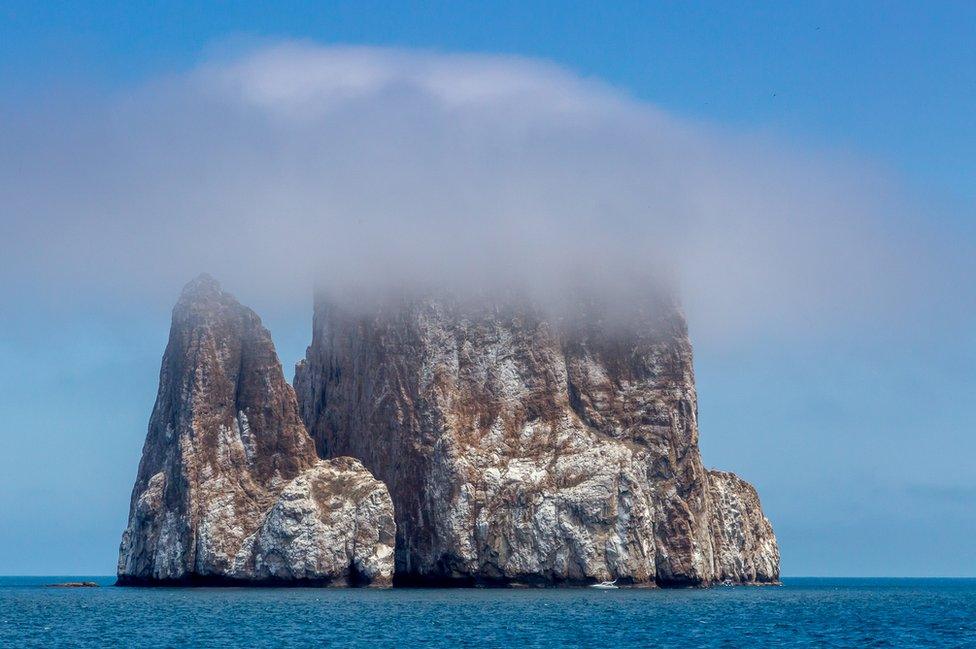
x: 743, y: 540
x: 520, y: 448
x: 230, y: 488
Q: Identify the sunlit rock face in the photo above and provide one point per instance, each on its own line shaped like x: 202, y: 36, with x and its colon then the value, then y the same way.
x: 230, y: 488
x: 525, y: 448
x: 743, y: 540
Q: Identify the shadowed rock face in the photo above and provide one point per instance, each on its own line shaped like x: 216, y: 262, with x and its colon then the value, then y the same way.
x: 525, y: 449
x: 230, y: 488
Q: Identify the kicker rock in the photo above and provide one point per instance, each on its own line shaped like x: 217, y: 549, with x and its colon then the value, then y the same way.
x: 526, y: 449
x: 230, y: 488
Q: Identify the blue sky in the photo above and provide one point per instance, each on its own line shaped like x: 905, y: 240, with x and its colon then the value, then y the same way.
x: 857, y: 434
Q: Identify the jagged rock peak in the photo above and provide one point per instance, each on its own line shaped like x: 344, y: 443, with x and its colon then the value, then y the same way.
x: 229, y: 488
x: 203, y: 303
x: 202, y: 285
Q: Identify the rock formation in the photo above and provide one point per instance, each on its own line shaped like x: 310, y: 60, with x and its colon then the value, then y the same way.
x: 510, y: 444
x: 230, y: 488
x: 521, y: 448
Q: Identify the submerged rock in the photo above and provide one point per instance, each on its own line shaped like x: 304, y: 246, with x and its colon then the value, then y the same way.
x: 520, y: 448
x: 230, y: 488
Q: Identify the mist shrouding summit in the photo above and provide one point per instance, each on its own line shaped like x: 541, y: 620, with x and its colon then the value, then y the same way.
x: 294, y: 165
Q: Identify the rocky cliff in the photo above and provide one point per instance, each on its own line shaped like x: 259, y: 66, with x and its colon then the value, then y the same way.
x: 230, y: 488
x: 523, y: 448
x: 510, y: 446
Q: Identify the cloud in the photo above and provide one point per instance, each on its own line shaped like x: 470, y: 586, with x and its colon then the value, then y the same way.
x: 295, y: 164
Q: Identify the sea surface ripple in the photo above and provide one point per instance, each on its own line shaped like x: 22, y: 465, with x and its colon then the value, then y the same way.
x: 802, y: 613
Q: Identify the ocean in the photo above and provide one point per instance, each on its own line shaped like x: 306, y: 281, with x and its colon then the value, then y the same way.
x: 801, y: 613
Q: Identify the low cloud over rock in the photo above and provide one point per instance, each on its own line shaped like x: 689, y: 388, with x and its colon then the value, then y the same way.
x: 526, y: 448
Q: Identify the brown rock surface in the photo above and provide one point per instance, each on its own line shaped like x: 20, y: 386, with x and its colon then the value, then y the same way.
x: 524, y: 448
x: 230, y: 488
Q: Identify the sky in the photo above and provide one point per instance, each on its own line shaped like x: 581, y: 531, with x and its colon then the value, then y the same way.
x: 806, y: 172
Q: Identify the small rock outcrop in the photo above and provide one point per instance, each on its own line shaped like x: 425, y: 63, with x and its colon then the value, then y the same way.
x: 230, y: 489
x: 744, y: 545
x: 522, y: 448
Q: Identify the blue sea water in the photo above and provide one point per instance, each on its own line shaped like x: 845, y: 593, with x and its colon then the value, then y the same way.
x: 801, y: 613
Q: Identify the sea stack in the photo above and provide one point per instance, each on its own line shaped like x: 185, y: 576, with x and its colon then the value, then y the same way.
x: 436, y: 440
x: 522, y: 447
x: 230, y: 489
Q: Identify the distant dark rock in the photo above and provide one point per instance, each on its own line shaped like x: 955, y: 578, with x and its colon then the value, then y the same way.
x: 74, y: 584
